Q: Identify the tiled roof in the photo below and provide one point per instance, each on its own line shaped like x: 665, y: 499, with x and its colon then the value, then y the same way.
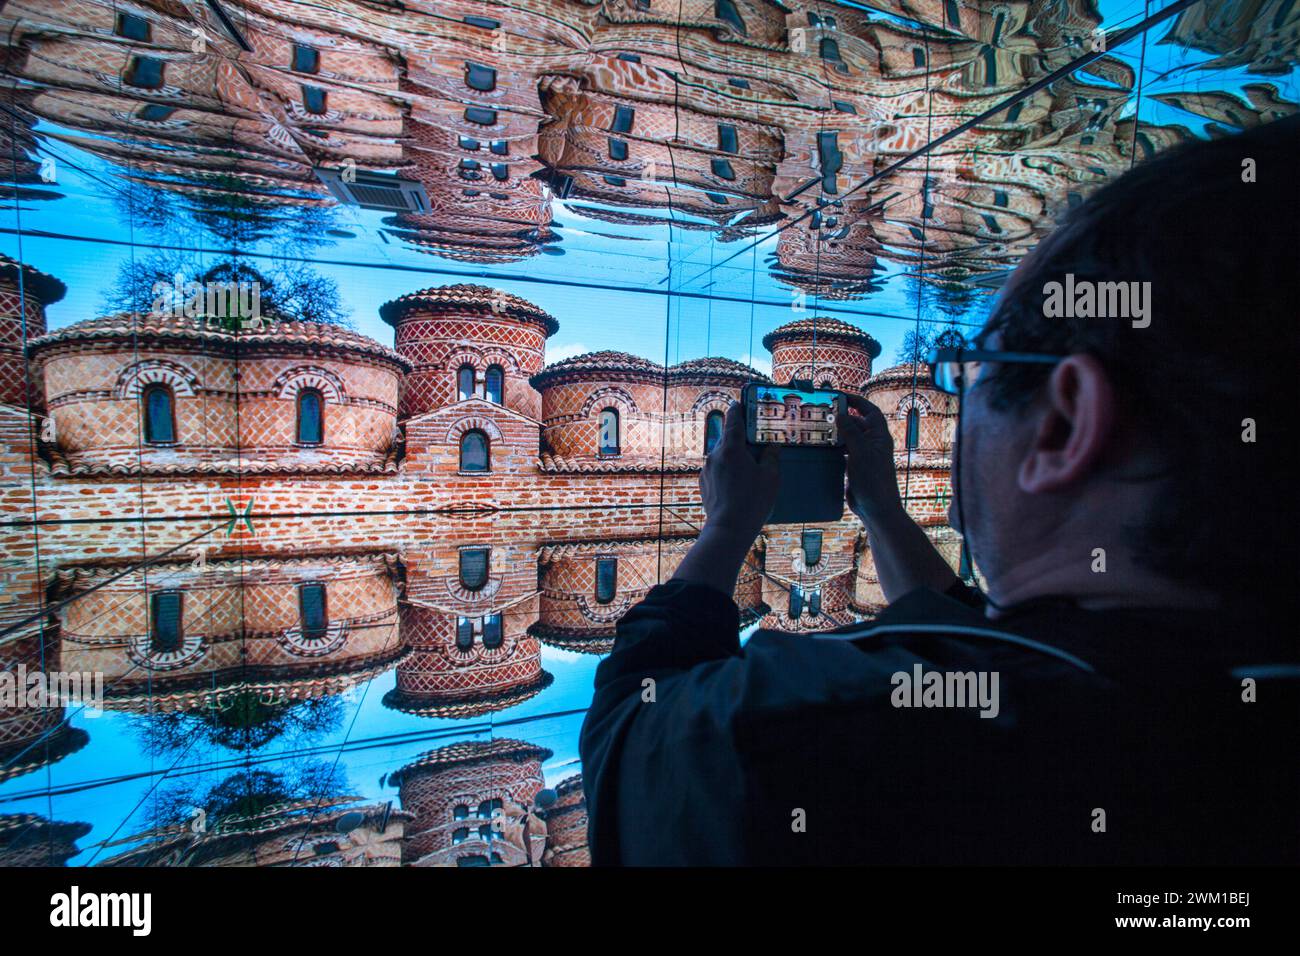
x: 902, y: 373
x: 469, y: 705
x: 503, y: 748
x: 716, y: 365
x: 622, y: 463
x: 166, y: 326
x: 467, y: 296
x: 822, y: 327
x: 593, y: 363
x: 38, y: 284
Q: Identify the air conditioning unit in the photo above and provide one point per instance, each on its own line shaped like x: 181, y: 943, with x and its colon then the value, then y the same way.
x: 371, y: 190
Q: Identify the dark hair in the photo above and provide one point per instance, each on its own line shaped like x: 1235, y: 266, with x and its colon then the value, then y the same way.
x: 1222, y: 254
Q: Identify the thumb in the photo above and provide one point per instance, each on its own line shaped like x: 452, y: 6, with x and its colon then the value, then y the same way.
x: 769, y: 459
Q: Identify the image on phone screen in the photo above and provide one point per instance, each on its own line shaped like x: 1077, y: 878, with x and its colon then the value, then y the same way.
x: 791, y: 416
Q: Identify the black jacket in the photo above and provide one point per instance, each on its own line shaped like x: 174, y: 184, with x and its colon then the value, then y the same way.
x: 793, y: 750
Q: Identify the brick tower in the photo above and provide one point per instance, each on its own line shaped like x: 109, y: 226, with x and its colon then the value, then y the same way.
x: 490, y: 333
x: 833, y: 354
x: 22, y: 286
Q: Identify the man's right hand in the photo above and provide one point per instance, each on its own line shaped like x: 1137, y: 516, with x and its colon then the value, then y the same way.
x: 873, y: 483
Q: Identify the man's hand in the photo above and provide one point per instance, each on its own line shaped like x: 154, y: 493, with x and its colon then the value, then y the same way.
x: 873, y: 483
x: 738, y: 490
x: 737, y: 487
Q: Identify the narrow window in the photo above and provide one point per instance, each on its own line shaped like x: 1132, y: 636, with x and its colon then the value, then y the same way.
x: 465, y: 382
x: 165, y: 631
x: 992, y: 224
x: 913, y: 427
x: 830, y: 50
x: 310, y: 417
x: 990, y: 66
x: 154, y: 113
x: 313, y: 99
x: 624, y: 116
x: 617, y: 149
x: 728, y: 141
x: 481, y: 116
x: 725, y: 10
x: 145, y: 72
x: 464, y: 641
x: 311, y: 611
x: 305, y: 59
x: 609, y: 431
x: 796, y: 602
x: 722, y: 169
x: 492, y: 632
x: 477, y: 859
x: 965, y: 571
x: 812, y: 547
x: 488, y: 807
x: 712, y: 430
x: 606, y: 579
x: 474, y: 451
x: 473, y: 568
x: 480, y: 77
x: 918, y: 56
x: 950, y: 13
x: 815, y: 602
x: 132, y: 27
x: 494, y: 383
x: 159, y: 415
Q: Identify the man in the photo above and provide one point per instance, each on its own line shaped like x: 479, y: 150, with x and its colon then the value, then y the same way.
x: 1120, y: 693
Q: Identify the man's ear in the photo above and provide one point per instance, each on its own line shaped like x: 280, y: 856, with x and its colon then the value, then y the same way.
x: 1075, y: 425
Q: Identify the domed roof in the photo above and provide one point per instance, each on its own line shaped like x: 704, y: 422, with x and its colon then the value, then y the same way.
x: 503, y: 748
x: 717, y: 366
x: 39, y: 285
x: 907, y: 372
x: 165, y: 326
x: 480, y: 298
x: 822, y: 327
x: 594, y: 364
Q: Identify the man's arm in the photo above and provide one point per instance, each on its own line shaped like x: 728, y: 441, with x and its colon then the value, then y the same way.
x: 905, y: 558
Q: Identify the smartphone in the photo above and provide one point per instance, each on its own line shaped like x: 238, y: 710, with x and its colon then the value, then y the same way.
x: 791, y: 416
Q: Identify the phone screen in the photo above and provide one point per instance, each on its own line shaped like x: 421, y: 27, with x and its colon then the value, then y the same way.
x: 791, y: 416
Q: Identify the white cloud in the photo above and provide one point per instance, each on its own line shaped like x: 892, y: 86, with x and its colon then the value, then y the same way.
x: 559, y: 352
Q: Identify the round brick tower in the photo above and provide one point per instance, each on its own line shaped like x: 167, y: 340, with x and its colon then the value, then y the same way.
x: 445, y: 329
x: 453, y: 792
x: 22, y: 286
x: 833, y: 354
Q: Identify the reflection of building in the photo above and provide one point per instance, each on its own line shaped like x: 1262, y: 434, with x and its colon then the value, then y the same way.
x: 296, y: 834
x: 464, y: 798
x: 789, y: 420
x: 29, y: 840
x: 204, y: 635
x: 739, y: 113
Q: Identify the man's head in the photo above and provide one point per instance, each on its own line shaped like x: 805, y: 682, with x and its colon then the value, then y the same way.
x: 1134, y: 441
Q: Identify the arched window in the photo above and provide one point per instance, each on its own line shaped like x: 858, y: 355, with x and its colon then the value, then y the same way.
x: 815, y: 602
x: 159, y: 415
x: 609, y: 431
x: 606, y: 579
x: 494, y: 383
x: 311, y: 611
x: 712, y: 430
x: 725, y: 10
x: 913, y: 427
x: 165, y: 630
x: 493, y: 635
x: 311, y: 425
x: 474, y: 451
x: 796, y: 602
x: 465, y: 382
x: 464, y: 641
x: 812, y: 547
x: 473, y: 568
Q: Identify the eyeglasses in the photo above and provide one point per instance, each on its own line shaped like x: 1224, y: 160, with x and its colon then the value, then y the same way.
x: 957, y: 370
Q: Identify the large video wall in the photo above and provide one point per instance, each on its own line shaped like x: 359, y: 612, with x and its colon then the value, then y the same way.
x: 358, y: 361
